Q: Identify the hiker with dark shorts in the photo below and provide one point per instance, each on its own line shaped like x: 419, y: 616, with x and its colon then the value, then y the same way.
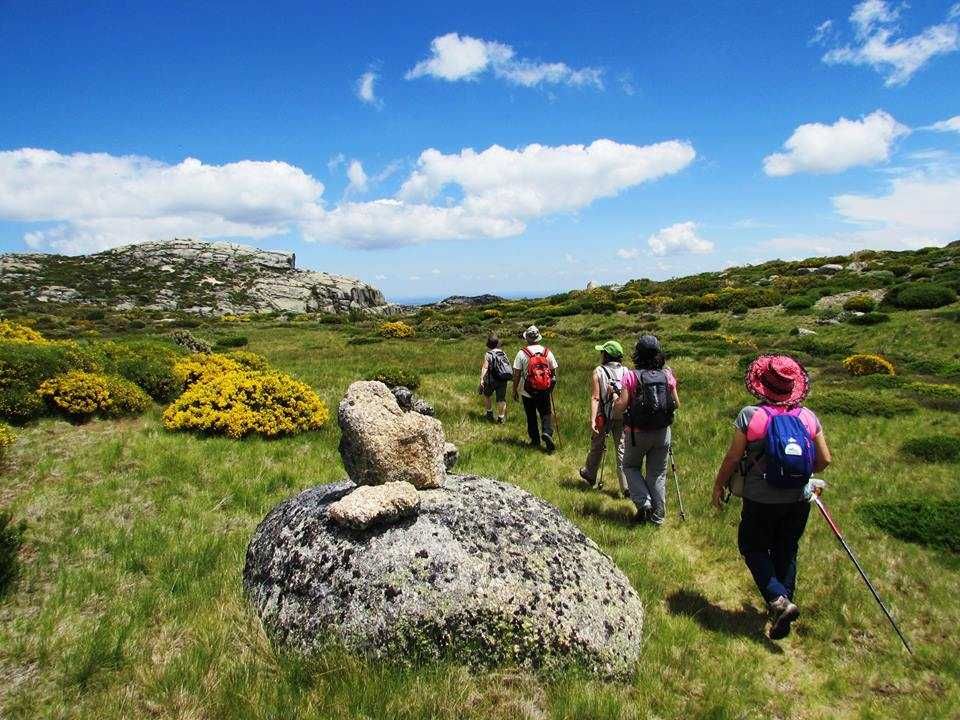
x: 648, y: 401
x: 777, y: 445
x: 604, y: 421
x: 534, y: 377
x: 495, y: 373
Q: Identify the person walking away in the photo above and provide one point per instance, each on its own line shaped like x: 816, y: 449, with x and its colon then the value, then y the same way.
x: 534, y: 377
x: 495, y: 373
x: 648, y: 401
x: 604, y: 420
x: 777, y: 445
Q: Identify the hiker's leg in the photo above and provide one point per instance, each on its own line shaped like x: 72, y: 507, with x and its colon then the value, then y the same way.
x: 591, y: 465
x: 546, y: 413
x: 633, y: 469
x: 754, y: 538
x: 793, y: 521
x: 501, y: 390
x: 488, y: 403
x: 658, y: 447
x: 530, y: 409
x: 616, y: 437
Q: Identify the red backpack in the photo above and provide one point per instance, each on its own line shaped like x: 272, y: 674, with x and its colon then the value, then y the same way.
x: 539, y: 377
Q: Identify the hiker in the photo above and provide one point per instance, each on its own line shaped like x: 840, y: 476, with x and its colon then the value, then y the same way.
x: 495, y: 373
x: 607, y: 378
x: 777, y: 445
x: 648, y: 402
x: 534, y: 376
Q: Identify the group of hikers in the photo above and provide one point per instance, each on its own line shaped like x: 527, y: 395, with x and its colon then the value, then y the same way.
x: 776, y: 447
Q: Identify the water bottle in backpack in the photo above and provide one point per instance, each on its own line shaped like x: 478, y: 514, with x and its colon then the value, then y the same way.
x: 789, y: 450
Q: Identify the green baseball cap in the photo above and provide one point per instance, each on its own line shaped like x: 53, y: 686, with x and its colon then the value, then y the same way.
x: 611, y: 348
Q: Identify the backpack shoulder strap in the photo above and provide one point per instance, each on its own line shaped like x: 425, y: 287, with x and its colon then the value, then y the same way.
x: 526, y: 351
x: 545, y: 352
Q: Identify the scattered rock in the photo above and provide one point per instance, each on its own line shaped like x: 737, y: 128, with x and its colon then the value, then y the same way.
x: 486, y: 573
x: 839, y: 299
x: 450, y: 456
x: 470, y: 300
x: 410, y: 401
x: 858, y: 266
x: 375, y: 504
x: 828, y: 321
x: 801, y: 331
x: 592, y: 285
x: 381, y: 443
x: 828, y: 269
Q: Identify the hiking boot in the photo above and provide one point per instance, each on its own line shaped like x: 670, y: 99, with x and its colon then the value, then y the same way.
x: 489, y: 417
x: 501, y: 420
x: 548, y: 442
x: 595, y: 483
x: 782, y: 613
x: 643, y: 514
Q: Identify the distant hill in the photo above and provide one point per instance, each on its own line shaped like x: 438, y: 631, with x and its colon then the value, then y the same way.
x: 184, y: 275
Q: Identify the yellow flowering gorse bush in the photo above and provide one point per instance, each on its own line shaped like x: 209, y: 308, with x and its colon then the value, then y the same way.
x: 126, y: 398
x: 241, y: 402
x: 868, y: 365
x: 21, y: 333
x: 6, y: 439
x: 193, y: 368
x: 398, y: 329
x: 76, y: 393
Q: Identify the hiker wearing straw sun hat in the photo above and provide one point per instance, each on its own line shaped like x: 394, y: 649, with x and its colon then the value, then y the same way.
x: 604, y: 420
x: 777, y: 445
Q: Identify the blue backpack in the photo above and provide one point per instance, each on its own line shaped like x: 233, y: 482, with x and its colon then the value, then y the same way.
x: 789, y: 450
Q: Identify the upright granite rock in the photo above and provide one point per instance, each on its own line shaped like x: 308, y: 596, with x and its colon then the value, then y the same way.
x: 380, y: 442
x: 485, y: 573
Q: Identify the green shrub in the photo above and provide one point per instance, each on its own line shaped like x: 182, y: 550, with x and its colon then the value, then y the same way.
x: 820, y: 347
x: 11, y: 538
x: 147, y: 364
x: 708, y: 324
x: 860, y: 303
x: 231, y: 341
x: 397, y: 377
x: 28, y: 364
x: 189, y: 341
x: 126, y: 399
x: 7, y: 439
x: 936, y: 395
x: 799, y: 302
x: 934, y: 448
x: 682, y: 305
x: 739, y: 309
x: 932, y: 523
x: 861, y: 404
x: 870, y: 318
x: 364, y: 340
x: 20, y: 404
x: 921, y: 295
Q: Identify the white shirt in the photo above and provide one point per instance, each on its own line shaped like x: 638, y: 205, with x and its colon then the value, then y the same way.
x: 521, y: 361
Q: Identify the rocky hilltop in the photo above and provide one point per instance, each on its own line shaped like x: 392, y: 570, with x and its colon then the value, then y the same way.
x: 186, y: 275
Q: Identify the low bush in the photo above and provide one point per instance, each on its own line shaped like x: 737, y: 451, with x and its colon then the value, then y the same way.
x: 126, y: 398
x: 932, y: 523
x: 492, y: 314
x: 820, y: 347
x: 231, y: 341
x: 921, y: 295
x: 933, y: 448
x: 80, y: 395
x: 936, y: 395
x: 30, y: 363
x: 364, y: 340
x: 242, y: 403
x: 398, y: 329
x: 702, y: 325
x: 799, y: 302
x: 147, y: 364
x: 861, y: 404
x: 191, y: 369
x: 189, y: 341
x: 868, y: 365
x: 397, y: 377
x: 739, y: 309
x: 7, y: 438
x: 860, y: 303
x: 11, y: 538
x: 682, y: 305
x: 21, y: 333
x: 870, y: 318
x: 19, y: 404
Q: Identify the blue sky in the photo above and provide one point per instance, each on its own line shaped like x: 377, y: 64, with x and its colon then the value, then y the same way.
x: 607, y: 143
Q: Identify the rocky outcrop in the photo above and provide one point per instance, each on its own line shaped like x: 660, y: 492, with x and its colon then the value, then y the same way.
x: 485, y: 573
x: 190, y: 275
x: 381, y: 443
x: 468, y: 300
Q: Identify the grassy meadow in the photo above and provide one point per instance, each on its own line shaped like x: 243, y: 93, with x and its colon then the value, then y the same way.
x: 129, y: 601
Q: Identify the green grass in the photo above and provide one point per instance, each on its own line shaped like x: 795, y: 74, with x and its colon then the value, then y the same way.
x: 930, y: 523
x: 129, y: 599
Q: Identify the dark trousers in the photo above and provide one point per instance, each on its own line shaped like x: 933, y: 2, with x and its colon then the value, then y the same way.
x: 769, y: 537
x: 532, y: 406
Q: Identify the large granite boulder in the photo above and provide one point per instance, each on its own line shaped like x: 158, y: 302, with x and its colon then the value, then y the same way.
x: 485, y: 573
x: 381, y: 443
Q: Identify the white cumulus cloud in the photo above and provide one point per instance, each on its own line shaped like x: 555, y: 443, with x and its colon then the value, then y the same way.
x: 948, y: 125
x: 366, y: 90
x: 454, y: 57
x: 822, y: 32
x: 819, y: 148
x: 878, y: 45
x: 97, y: 201
x: 628, y: 253
x: 678, y: 238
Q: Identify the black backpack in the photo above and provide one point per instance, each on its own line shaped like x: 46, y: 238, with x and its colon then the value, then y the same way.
x: 652, y: 405
x: 498, y: 366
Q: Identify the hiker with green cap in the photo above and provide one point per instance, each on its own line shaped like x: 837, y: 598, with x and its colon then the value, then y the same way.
x: 604, y: 419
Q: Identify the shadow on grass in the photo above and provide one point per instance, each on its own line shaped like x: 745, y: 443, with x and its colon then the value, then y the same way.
x: 748, y: 622
x: 620, y: 514
x: 516, y: 442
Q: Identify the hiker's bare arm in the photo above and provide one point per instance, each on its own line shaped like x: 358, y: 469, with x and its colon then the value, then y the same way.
x: 676, y: 398
x: 623, y: 399
x: 738, y: 446
x: 823, y: 452
x: 483, y: 369
x: 516, y: 384
x: 595, y: 403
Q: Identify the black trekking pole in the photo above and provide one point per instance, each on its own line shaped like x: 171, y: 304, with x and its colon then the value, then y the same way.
x: 876, y: 596
x: 603, y: 457
x: 556, y: 425
x: 676, y: 479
